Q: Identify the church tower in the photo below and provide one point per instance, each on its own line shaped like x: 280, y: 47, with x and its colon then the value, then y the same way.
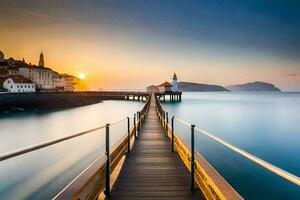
x: 41, y: 62
x: 174, y: 83
x: 1, y: 56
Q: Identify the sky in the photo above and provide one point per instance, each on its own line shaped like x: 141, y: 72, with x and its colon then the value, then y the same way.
x: 131, y: 44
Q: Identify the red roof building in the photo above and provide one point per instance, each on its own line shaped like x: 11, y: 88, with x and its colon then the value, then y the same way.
x: 18, y: 84
x: 20, y: 79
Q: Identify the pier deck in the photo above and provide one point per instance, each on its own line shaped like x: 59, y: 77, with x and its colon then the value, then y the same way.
x: 152, y: 171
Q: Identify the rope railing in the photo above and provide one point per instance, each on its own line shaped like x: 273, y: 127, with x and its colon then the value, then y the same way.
x: 181, y: 121
x: 118, y: 121
x: 30, y: 148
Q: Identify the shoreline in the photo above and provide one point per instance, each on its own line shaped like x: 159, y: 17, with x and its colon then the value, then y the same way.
x: 20, y: 102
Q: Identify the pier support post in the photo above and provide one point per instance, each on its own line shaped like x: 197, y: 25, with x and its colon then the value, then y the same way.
x: 134, y: 124
x: 128, y: 130
x: 172, y: 133
x: 107, y: 173
x: 192, y: 158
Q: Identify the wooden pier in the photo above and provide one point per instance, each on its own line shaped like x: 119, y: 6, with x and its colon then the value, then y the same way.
x: 159, y: 165
x: 132, y: 95
x: 151, y: 170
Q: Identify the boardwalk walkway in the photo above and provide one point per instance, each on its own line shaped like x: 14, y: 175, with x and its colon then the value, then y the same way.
x: 152, y: 171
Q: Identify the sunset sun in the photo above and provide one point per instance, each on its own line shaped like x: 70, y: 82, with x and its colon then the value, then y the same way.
x: 81, y: 76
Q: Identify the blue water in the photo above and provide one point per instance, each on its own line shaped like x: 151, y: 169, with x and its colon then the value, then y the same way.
x: 266, y: 125
x: 44, y: 173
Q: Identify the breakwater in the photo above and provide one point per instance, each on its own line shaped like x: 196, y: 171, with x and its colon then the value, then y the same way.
x: 59, y: 100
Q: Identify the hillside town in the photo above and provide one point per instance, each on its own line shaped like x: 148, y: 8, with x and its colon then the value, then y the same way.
x: 17, y: 76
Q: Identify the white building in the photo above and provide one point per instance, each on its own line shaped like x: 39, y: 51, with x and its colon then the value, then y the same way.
x: 152, y: 89
x: 165, y: 87
x: 174, y: 83
x: 65, y: 82
x: 71, y: 82
x: 18, y: 84
x: 43, y: 77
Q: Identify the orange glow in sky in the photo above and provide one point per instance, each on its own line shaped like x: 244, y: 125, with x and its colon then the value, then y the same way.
x: 119, y: 57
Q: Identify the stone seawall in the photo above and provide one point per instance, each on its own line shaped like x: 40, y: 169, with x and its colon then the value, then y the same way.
x: 53, y: 100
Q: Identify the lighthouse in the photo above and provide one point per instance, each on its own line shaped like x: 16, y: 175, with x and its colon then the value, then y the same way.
x: 174, y: 83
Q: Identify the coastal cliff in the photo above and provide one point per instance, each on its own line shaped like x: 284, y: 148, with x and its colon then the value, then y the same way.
x: 199, y: 87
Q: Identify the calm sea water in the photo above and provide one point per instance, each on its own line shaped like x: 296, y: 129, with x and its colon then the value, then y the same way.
x: 266, y: 125
x: 43, y: 173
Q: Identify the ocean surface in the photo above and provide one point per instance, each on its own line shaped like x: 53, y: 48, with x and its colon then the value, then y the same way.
x: 45, y: 172
x: 266, y: 125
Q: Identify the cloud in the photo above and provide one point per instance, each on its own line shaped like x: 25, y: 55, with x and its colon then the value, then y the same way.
x: 16, y: 16
x: 291, y: 75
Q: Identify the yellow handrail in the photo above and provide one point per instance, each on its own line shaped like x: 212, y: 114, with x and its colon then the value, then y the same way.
x: 280, y: 172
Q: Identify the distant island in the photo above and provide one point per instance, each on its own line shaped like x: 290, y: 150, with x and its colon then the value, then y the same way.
x: 254, y: 87
x: 199, y: 87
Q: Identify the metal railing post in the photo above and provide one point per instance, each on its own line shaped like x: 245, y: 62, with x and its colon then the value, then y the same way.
x: 165, y: 117
x: 128, y: 130
x: 192, y: 158
x: 107, y: 180
x: 163, y: 122
x: 137, y: 124
x: 167, y: 123
x: 139, y: 119
x: 134, y: 125
x: 172, y: 133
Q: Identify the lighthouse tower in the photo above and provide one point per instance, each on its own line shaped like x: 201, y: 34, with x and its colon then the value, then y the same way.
x: 174, y: 83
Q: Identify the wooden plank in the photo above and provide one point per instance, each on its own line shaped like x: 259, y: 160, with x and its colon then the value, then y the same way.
x: 155, y: 193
